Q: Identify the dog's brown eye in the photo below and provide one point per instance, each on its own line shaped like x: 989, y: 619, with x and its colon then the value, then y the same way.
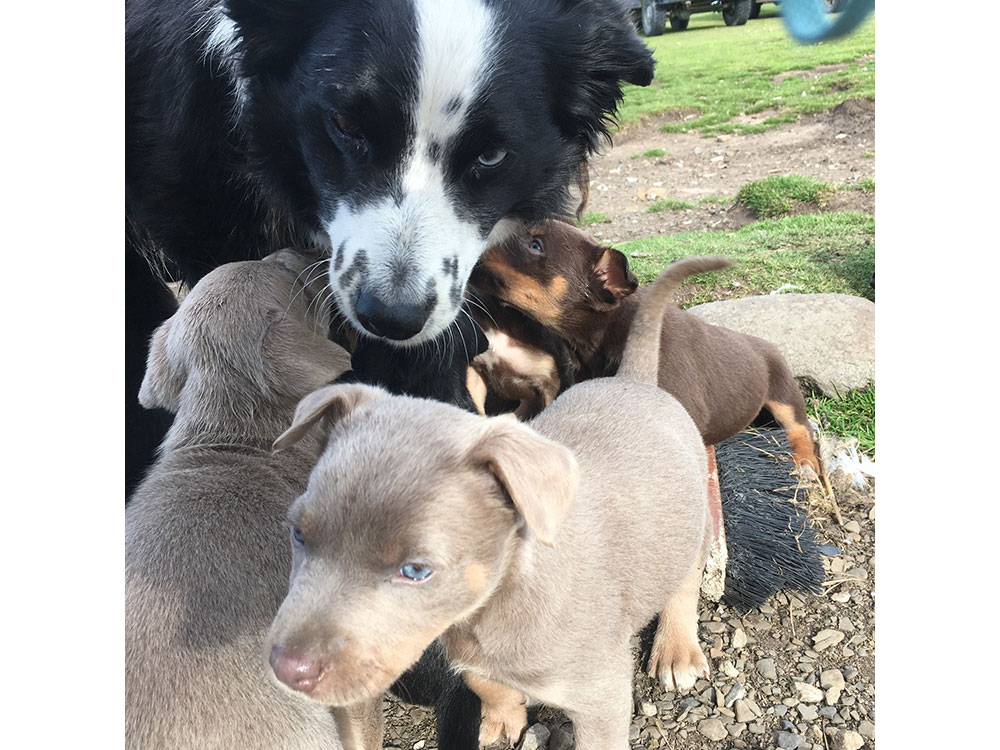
x: 347, y: 127
x: 537, y: 247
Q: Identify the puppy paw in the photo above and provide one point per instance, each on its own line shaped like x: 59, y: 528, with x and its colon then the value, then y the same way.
x: 502, y: 725
x: 677, y: 665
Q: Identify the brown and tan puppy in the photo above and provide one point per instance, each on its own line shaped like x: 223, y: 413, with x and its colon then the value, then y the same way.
x: 206, y: 550
x: 533, y: 550
x: 583, y: 291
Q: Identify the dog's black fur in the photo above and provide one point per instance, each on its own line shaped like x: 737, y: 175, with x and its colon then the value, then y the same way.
x: 436, y: 370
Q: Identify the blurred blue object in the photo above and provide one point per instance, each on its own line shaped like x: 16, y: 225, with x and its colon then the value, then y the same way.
x: 811, y: 21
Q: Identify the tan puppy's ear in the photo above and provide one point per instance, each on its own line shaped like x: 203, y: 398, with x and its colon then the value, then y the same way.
x: 611, y: 278
x: 540, y: 475
x: 165, y: 376
x: 331, y: 403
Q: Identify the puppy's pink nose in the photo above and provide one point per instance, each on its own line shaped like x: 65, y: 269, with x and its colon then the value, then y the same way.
x: 296, y: 671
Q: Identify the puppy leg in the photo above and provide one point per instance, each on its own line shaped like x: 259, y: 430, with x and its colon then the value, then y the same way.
x: 360, y: 725
x: 504, y: 710
x: 677, y: 659
x: 786, y: 404
x: 477, y: 389
x: 602, y: 722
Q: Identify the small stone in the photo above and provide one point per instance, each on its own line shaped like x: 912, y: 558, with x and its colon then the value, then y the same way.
x: 739, y: 639
x: 647, y: 708
x: 766, y: 669
x: 831, y: 679
x: 827, y: 712
x: 735, y: 730
x: 807, y: 712
x: 728, y: 669
x: 714, y: 729
x: 755, y: 728
x: 736, y: 693
x: 715, y: 627
x: 633, y: 733
x: 808, y: 693
x: 832, y: 696
x: 853, y: 527
x: 744, y: 714
x: 826, y: 638
x: 841, y: 597
x: 419, y: 744
x: 536, y: 737
x: 789, y: 740
x: 866, y: 729
x: 780, y: 710
x: 844, y: 739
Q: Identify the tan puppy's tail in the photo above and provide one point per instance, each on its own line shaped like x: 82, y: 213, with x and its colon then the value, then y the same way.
x: 641, y: 359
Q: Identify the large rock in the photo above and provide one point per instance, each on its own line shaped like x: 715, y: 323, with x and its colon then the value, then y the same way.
x: 827, y: 339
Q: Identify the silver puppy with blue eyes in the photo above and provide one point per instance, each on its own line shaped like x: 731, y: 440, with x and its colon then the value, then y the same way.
x: 534, y: 551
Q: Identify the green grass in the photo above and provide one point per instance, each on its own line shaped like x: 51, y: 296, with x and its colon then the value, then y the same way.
x: 833, y: 252
x: 593, y: 217
x: 650, y: 153
x: 669, y: 203
x: 852, y: 415
x: 777, y: 195
x: 718, y: 73
x: 865, y: 185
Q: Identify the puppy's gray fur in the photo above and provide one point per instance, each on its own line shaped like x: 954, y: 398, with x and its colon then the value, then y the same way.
x: 206, y: 551
x: 550, y: 544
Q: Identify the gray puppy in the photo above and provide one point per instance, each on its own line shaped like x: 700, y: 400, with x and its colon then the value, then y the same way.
x: 206, y: 551
x: 534, y: 550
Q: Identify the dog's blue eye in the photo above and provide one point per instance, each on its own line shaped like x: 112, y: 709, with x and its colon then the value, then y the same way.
x: 537, y: 247
x: 492, y: 157
x: 415, y: 571
x: 297, y: 536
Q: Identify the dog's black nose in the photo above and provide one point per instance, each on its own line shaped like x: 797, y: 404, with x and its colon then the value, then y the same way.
x: 397, y: 321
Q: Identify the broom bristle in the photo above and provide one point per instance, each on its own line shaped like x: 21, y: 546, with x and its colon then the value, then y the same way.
x: 771, y: 543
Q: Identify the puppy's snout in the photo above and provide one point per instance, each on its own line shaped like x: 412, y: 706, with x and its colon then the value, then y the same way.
x: 295, y: 670
x: 397, y: 320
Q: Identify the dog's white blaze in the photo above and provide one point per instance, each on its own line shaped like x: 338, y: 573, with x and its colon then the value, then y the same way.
x: 222, y: 46
x: 456, y: 40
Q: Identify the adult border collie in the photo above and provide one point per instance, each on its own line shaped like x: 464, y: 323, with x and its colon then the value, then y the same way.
x: 402, y: 135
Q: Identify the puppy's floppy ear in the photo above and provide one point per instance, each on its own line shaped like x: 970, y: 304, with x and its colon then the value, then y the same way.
x: 165, y: 375
x: 273, y: 32
x: 329, y: 404
x: 540, y: 475
x: 611, y: 279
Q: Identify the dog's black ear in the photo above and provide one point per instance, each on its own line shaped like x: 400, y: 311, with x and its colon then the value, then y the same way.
x: 165, y: 374
x: 273, y: 32
x: 596, y: 52
x: 328, y: 405
x: 611, y: 279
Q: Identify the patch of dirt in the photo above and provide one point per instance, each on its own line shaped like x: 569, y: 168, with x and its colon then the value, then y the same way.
x: 835, y: 147
x: 820, y: 70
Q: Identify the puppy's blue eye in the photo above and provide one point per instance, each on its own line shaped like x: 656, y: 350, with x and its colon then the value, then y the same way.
x: 415, y: 571
x: 537, y: 247
x: 491, y: 158
x: 297, y: 537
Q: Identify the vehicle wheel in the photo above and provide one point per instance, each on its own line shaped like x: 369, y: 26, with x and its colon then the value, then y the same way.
x: 654, y: 18
x: 754, y: 10
x: 737, y: 12
x: 678, y: 23
x: 835, y: 6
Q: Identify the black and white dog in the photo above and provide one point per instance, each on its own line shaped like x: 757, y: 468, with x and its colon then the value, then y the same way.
x: 403, y: 135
